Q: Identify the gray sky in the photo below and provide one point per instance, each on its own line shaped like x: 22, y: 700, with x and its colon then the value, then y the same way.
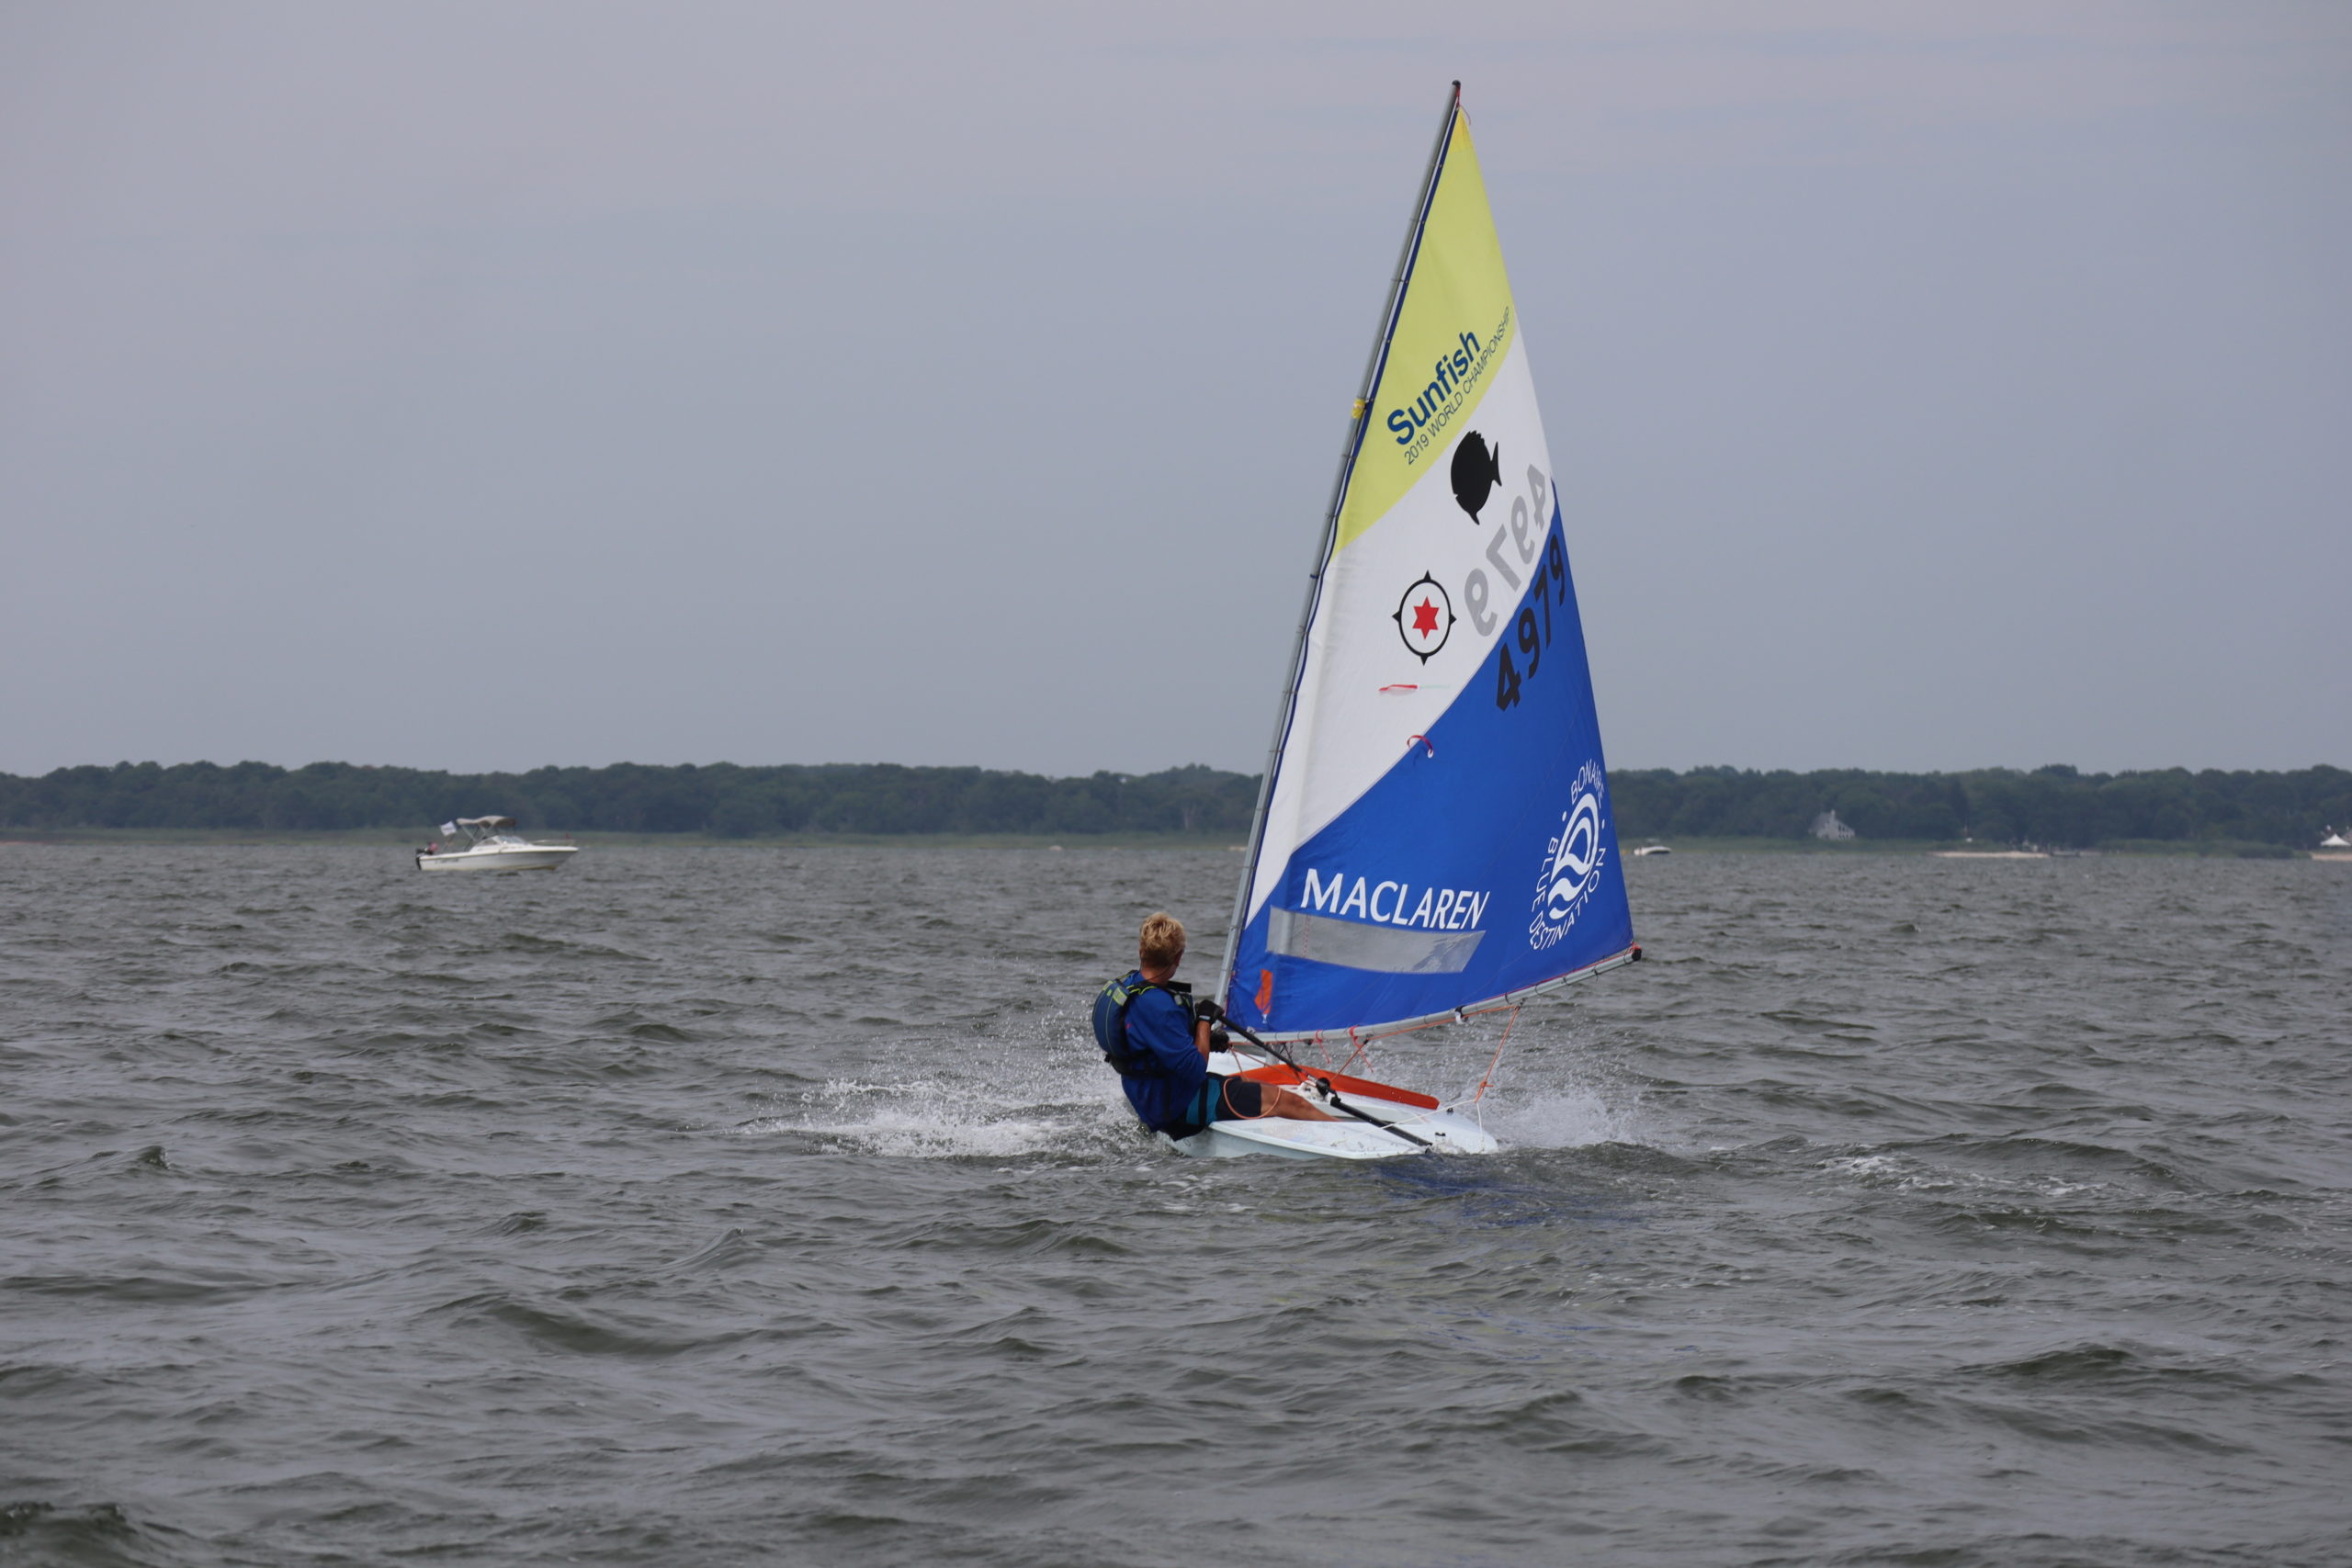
x: 482, y: 385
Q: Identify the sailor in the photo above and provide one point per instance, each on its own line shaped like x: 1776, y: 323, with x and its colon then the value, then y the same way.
x: 1153, y: 1033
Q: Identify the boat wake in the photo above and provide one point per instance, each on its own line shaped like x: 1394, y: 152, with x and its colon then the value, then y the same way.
x: 928, y: 1119
x: 1561, y: 1118
x: 1043, y: 1106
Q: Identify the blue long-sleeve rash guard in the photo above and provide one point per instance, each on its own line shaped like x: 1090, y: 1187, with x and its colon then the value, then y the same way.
x: 1158, y: 1023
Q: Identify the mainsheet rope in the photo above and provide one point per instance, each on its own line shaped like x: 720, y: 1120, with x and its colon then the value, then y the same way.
x: 1508, y: 1025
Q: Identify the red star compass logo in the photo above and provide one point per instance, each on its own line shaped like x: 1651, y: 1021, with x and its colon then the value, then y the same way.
x: 1424, y: 617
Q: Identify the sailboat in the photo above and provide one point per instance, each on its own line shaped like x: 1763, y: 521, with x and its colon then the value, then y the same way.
x: 1434, y: 837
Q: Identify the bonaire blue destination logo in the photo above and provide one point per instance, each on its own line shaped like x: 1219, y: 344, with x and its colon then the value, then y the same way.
x: 1572, y: 861
x: 1452, y: 376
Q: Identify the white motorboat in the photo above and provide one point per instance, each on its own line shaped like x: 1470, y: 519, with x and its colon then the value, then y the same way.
x: 491, y: 845
x: 1654, y: 849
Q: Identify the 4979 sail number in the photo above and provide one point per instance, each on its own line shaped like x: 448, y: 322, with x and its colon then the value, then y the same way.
x: 1548, y: 587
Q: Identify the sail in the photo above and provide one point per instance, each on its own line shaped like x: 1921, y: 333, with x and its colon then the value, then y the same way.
x: 1435, y: 830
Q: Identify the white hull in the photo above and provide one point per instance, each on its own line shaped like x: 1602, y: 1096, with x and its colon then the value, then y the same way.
x: 1441, y: 1131
x: 499, y: 857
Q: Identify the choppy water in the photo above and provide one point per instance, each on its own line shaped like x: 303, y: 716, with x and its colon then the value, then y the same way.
x: 720, y: 1206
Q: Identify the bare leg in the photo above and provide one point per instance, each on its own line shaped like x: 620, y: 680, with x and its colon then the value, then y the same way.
x: 1293, y: 1106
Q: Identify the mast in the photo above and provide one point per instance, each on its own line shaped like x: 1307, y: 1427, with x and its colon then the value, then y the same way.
x: 1285, y: 707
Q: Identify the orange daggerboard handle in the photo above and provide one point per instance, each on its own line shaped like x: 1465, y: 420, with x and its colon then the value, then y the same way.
x: 1366, y: 1087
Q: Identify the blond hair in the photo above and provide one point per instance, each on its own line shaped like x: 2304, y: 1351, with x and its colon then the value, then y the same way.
x: 1162, y: 941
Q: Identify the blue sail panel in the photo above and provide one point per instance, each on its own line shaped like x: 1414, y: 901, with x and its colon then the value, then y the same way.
x: 1483, y: 862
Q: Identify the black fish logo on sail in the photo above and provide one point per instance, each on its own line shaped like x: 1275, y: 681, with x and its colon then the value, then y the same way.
x: 1477, y: 472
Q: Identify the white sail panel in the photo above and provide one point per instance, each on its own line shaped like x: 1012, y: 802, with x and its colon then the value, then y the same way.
x: 1368, y: 695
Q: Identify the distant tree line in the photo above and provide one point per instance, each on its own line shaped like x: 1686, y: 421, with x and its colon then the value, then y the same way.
x: 723, y: 799
x: 2055, y: 805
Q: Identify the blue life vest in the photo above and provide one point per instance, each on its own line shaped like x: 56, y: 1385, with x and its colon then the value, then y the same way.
x: 1111, y: 1023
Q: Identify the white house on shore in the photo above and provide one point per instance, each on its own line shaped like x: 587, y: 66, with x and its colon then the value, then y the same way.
x: 1827, y: 825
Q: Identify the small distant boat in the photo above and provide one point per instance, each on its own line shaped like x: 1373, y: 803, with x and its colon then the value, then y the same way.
x: 491, y: 845
x: 1654, y: 849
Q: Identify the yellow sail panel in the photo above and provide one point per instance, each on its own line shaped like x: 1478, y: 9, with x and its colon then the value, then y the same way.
x: 1453, y: 327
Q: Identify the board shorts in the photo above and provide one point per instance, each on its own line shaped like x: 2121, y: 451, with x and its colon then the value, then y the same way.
x: 1221, y: 1097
